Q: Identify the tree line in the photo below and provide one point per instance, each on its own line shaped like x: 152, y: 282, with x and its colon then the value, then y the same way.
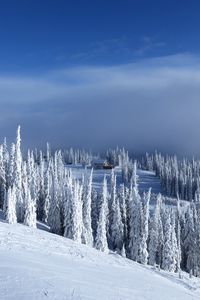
x: 118, y: 218
x: 179, y: 178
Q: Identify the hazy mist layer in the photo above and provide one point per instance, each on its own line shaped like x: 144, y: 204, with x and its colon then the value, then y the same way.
x: 152, y: 104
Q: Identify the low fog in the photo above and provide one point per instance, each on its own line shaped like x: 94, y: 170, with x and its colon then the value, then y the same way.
x: 151, y: 104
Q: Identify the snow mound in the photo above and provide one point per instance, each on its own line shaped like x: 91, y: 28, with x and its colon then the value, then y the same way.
x: 35, y: 264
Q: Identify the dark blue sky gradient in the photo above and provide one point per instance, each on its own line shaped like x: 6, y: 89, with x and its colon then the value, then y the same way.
x: 40, y: 35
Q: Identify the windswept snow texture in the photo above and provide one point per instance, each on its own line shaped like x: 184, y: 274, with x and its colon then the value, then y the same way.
x: 146, y: 179
x: 36, y: 264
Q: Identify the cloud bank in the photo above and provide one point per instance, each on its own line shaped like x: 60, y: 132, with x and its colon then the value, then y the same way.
x: 149, y: 104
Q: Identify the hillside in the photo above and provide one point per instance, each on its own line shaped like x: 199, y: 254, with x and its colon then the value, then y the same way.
x: 36, y: 264
x: 146, y: 179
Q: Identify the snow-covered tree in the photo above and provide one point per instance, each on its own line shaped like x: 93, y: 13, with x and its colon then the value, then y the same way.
x: 123, y: 207
x: 190, y: 240
x: 143, y: 253
x: 10, y: 206
x: 112, y: 210
x: 134, y: 222
x: 30, y: 211
x: 29, y: 203
x: 117, y: 228
x: 54, y: 209
x: 156, y: 235
x: 73, y: 211
x: 169, y: 256
x: 18, y: 178
x: 101, y: 237
x: 41, y: 188
x: 87, y: 236
x: 178, y: 230
x: 47, y: 192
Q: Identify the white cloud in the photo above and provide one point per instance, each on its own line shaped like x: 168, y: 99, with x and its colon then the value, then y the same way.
x: 149, y: 104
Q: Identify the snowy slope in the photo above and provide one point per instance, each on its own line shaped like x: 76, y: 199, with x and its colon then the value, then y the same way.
x: 35, y: 264
x: 146, y: 179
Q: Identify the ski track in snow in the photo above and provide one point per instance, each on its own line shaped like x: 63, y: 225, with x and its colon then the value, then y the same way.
x: 36, y: 264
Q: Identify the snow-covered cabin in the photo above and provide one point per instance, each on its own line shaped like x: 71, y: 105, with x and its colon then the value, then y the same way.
x: 101, y: 164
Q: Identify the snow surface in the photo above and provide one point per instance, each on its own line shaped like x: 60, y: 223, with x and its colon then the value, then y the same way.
x: 35, y: 264
x: 146, y: 179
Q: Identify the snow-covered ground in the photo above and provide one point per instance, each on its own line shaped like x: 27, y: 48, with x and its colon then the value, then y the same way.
x: 35, y: 264
x: 146, y: 179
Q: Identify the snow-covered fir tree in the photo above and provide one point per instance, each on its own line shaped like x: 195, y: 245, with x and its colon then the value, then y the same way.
x: 54, y: 209
x: 87, y: 236
x: 134, y: 222
x: 156, y: 234
x: 117, y: 217
x: 101, y: 237
x: 10, y: 206
x: 29, y: 203
x: 30, y: 211
x: 144, y: 229
x: 169, y: 255
x: 117, y: 229
x: 18, y: 178
x: 73, y: 211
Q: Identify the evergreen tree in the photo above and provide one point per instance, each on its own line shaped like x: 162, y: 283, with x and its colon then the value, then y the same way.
x: 87, y: 236
x: 134, y: 222
x: 54, y: 209
x: 123, y: 207
x: 143, y: 253
x: 73, y: 212
x: 30, y: 211
x: 101, y: 238
x: 155, y: 235
x: 169, y: 246
x: 18, y: 178
x: 117, y: 228
x: 47, y: 193
x: 10, y: 207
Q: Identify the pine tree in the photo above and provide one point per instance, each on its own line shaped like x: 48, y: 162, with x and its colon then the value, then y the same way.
x: 30, y: 211
x: 112, y: 210
x: 10, y: 207
x: 123, y: 208
x: 179, y: 254
x: 190, y: 242
x: 101, y: 238
x: 77, y: 212
x: 18, y: 178
x: 143, y: 253
x: 2, y: 177
x: 73, y: 211
x: 47, y: 193
x: 29, y: 203
x: 155, y: 238
x: 117, y: 228
x: 174, y: 245
x: 169, y: 246
x: 134, y: 222
x: 11, y: 166
x: 87, y: 236
x: 41, y: 190
x: 54, y: 209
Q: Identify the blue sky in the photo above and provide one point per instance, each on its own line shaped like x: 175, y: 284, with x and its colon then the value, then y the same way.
x: 96, y: 74
x: 40, y: 35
